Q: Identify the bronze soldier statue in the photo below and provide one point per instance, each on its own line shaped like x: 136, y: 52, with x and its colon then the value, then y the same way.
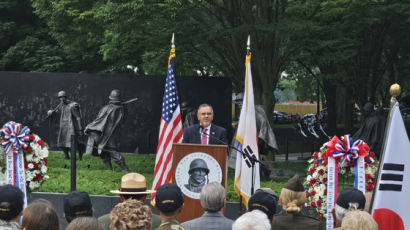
x: 372, y: 130
x: 70, y: 122
x: 104, y: 132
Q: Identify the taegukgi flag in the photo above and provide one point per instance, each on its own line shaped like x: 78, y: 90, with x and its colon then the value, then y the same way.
x: 246, y: 140
x: 392, y: 194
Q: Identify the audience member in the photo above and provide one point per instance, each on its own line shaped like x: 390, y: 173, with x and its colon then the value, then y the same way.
x: 76, y: 204
x: 265, y: 200
x: 169, y: 202
x: 254, y: 220
x: 358, y: 220
x: 85, y: 223
x: 130, y: 215
x: 133, y: 186
x: 348, y: 200
x: 212, y: 201
x: 40, y: 216
x: 292, y: 198
x: 11, y: 207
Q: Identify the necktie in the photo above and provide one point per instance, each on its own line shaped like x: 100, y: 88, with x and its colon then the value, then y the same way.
x: 204, y: 137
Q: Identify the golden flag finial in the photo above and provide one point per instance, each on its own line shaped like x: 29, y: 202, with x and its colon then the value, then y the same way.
x: 395, y: 90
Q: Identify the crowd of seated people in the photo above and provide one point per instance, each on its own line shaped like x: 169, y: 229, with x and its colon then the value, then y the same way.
x: 133, y: 214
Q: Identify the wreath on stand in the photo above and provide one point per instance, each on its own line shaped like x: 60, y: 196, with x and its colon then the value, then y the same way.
x: 345, y: 153
x: 17, y: 143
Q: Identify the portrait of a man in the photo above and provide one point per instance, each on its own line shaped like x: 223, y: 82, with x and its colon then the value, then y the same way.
x: 198, y: 175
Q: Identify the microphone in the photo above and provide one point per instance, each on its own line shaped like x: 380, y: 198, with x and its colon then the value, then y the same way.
x: 201, y: 130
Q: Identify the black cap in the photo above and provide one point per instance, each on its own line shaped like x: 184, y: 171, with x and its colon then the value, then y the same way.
x: 11, y: 202
x: 263, y: 200
x: 169, y: 198
x: 351, y: 195
x: 77, y: 203
x: 294, y: 184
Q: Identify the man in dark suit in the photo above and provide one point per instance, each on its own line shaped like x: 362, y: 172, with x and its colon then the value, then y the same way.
x: 205, y: 132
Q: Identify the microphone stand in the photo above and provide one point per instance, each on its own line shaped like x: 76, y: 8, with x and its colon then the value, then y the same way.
x: 245, y: 154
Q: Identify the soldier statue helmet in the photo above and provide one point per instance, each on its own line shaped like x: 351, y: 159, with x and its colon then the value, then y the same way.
x: 61, y: 93
x: 115, y: 95
x: 198, y: 164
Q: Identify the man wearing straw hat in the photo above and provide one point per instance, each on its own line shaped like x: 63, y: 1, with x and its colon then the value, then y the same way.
x: 133, y: 186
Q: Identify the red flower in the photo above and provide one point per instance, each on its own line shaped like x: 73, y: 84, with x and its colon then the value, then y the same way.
x: 316, y: 162
x: 312, y: 181
x: 325, y: 155
x: 372, y: 154
x: 307, y: 194
x: 350, y: 163
x: 324, y: 179
x: 45, y: 161
x: 32, y: 137
x: 40, y: 142
x: 325, y: 192
x: 370, y: 187
x: 29, y: 149
x: 319, y: 216
x: 325, y: 163
x: 368, y: 176
x: 319, y: 203
x: 25, y: 165
x: 321, y: 171
x: 39, y: 176
x: 312, y: 170
x: 312, y: 204
x: 315, y: 155
x: 35, y: 165
x: 312, y: 193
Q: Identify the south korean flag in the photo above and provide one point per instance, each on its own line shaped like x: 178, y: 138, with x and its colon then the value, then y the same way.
x: 391, y: 202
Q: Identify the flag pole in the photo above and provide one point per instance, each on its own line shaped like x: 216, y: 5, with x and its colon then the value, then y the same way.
x: 394, y: 92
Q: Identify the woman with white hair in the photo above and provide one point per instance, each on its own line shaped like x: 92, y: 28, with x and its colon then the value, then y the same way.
x: 255, y: 220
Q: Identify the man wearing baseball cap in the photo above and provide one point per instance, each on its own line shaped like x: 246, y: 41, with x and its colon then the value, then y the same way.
x: 265, y: 200
x: 349, y: 199
x: 11, y: 207
x: 169, y: 201
x: 77, y: 204
x: 133, y: 186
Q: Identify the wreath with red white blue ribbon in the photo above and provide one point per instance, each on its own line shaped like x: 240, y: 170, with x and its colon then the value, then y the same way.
x: 338, y: 157
x: 23, y: 157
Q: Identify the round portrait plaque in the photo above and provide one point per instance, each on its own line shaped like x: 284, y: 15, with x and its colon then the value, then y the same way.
x: 194, y: 171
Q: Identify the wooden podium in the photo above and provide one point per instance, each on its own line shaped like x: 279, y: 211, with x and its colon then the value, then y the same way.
x: 183, y: 155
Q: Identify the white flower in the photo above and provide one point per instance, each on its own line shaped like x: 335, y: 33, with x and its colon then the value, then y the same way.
x: 30, y: 166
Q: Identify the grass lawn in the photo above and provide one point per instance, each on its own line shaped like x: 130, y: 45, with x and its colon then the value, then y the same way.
x: 93, y: 178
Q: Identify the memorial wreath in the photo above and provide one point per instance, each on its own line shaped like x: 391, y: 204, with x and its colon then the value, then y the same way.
x: 348, y: 159
x: 23, y: 157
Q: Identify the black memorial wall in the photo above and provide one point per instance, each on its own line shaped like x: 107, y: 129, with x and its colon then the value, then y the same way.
x: 26, y: 97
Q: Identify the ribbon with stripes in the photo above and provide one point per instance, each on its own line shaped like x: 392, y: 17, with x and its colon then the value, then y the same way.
x: 15, y: 139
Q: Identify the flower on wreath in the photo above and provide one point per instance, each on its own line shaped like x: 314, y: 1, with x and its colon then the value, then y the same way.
x: 316, y: 180
x: 35, y: 163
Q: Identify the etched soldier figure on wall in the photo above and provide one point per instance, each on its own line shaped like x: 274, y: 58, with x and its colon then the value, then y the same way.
x: 104, y: 132
x: 70, y: 122
x: 198, y: 175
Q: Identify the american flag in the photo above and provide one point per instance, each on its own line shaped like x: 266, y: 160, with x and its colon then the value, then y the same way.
x: 170, y: 130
